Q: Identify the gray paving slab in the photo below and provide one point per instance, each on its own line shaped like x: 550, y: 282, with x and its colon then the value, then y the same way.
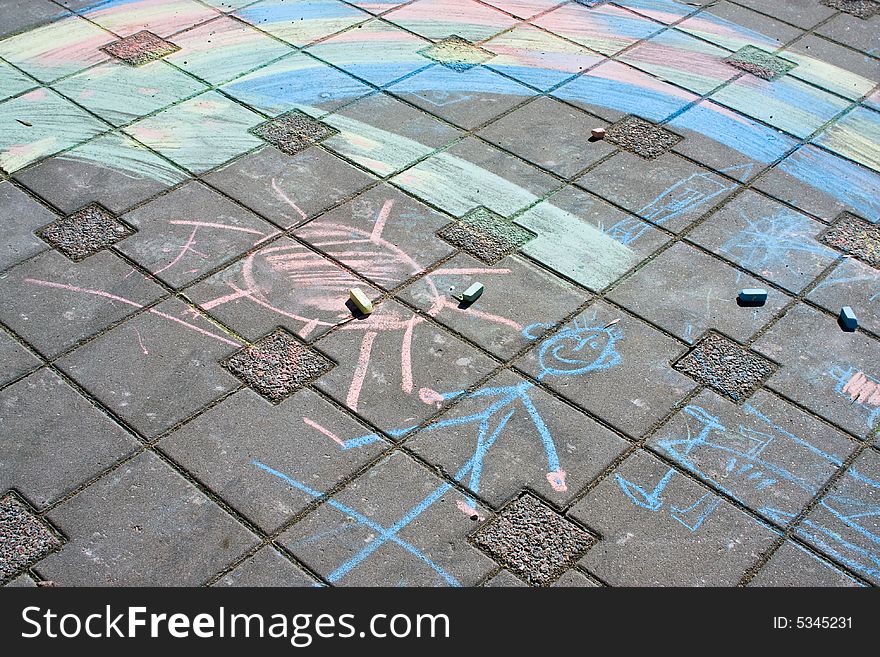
x: 15, y: 359
x: 190, y: 231
x: 385, y: 235
x: 22, y: 215
x: 164, y: 366
x: 529, y: 132
x: 524, y: 438
x: 504, y: 579
x: 802, y: 13
x: 688, y: 292
x: 852, y: 31
x: 18, y: 17
x: 289, y: 189
x: 668, y: 191
x: 54, y: 303
x: 225, y: 447
x: 266, y: 568
x: 575, y: 579
x: 426, y: 543
x: 767, y: 238
x: 499, y: 320
x: 841, y: 525
x: 792, y: 565
x: 831, y: 372
x: 662, y: 529
x: 283, y: 284
x: 54, y: 439
x: 619, y: 371
x: 143, y: 524
x: 395, y: 354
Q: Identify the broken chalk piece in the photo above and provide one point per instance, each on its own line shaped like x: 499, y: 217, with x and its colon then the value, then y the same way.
x: 753, y: 296
x: 848, y: 319
x: 472, y: 293
x: 598, y: 133
x: 361, y: 300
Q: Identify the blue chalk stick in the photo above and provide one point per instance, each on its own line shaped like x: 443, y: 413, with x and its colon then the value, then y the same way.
x: 755, y: 296
x: 848, y: 319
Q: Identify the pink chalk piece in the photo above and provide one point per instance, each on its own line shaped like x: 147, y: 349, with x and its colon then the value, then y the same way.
x: 557, y: 481
x: 469, y: 511
x: 598, y: 133
x: 430, y: 396
x: 863, y: 390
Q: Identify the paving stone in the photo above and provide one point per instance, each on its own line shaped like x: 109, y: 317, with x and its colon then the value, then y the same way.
x: 301, y: 23
x: 729, y: 142
x: 132, y: 17
x: 619, y: 372
x: 613, y: 90
x: 854, y: 284
x: 687, y: 292
x: 487, y: 236
x: 266, y: 568
x: 387, y: 236
x: 289, y: 189
x: 284, y: 284
x: 533, y: 540
x: 33, y: 51
x: 504, y: 579
x: 852, y: 31
x: 767, y: 238
x: 200, y: 133
x: 394, y: 354
x: 398, y: 134
x: 21, y: 216
x: 143, y: 524
x: 18, y: 17
x: 523, y: 8
x: 15, y: 359
x: 140, y: 48
x: 13, y: 81
x: 858, y: 8
x: 24, y: 538
x: 112, y: 170
x: 471, y: 174
x: 303, y: 436
x: 733, y: 27
x: 641, y: 137
x: 396, y: 525
x: 668, y: 190
x: 457, y: 53
x: 375, y: 51
x: 85, y: 232
x: 164, y: 366
x: 40, y: 123
x: 855, y: 136
x: 833, y: 67
x: 296, y: 81
x: 54, y: 439
x: 604, y: 28
x: 759, y: 62
x: 574, y: 579
x: 766, y: 453
x: 681, y: 59
x: 222, y: 49
x: 843, y: 524
x: 466, y: 99
x: 54, y: 304
x: 293, y: 132
x: 444, y: 18
x: 500, y: 320
x: 529, y: 440
x: 532, y: 132
x: 802, y: 13
x: 824, y: 184
x: 831, y: 372
x: 190, y: 231
x: 661, y: 528
x: 538, y: 58
x: 277, y: 365
x: 724, y: 365
x: 786, y: 103
x: 22, y: 581
x: 792, y: 565
x: 856, y: 237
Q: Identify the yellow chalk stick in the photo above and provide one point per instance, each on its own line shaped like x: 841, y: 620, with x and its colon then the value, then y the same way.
x: 361, y: 300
